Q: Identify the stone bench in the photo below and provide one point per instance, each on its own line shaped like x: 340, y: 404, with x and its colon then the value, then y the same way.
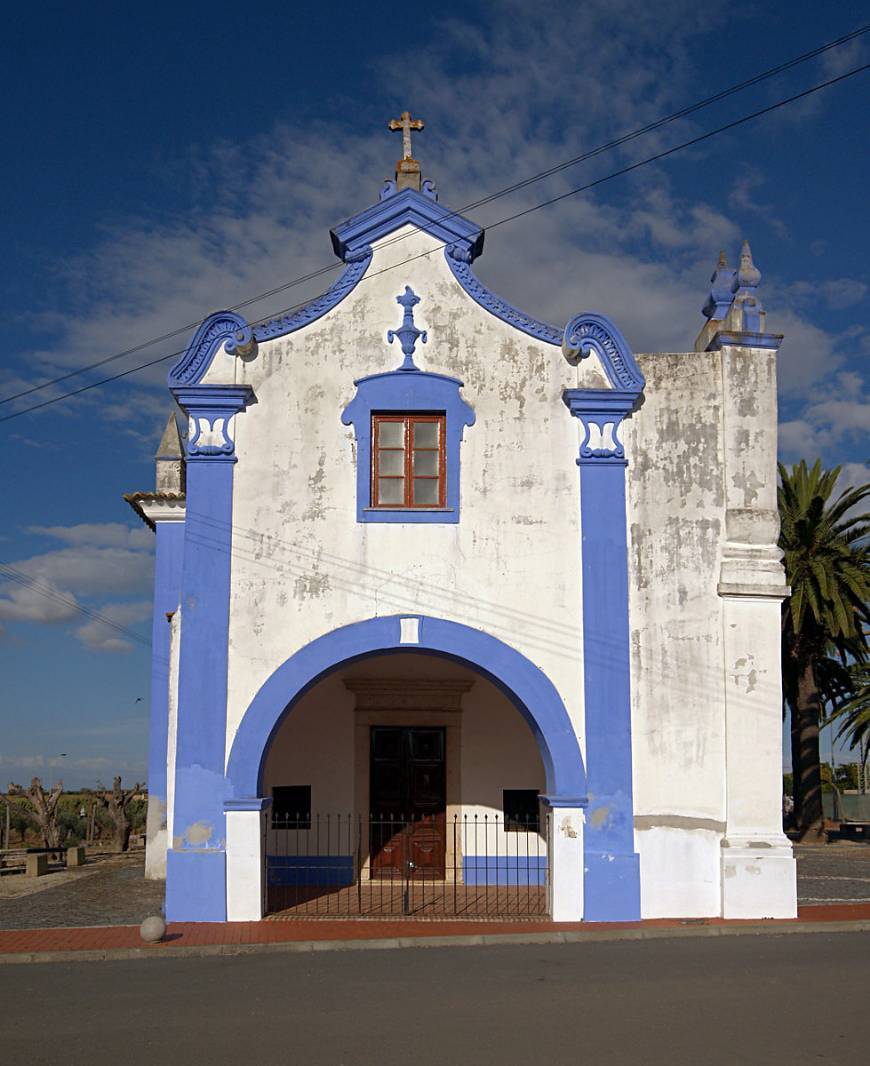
x: 37, y: 865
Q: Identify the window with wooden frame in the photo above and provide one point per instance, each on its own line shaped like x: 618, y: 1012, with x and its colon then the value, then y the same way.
x: 408, y: 461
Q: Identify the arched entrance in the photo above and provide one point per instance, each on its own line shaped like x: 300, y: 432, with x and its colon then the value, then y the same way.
x: 503, y: 669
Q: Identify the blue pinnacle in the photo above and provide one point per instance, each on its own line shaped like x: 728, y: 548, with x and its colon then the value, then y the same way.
x: 407, y: 332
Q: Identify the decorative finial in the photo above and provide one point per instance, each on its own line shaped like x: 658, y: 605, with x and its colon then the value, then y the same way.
x: 408, y: 332
x: 749, y: 311
x: 748, y: 274
x: 719, y: 298
x: 407, y: 169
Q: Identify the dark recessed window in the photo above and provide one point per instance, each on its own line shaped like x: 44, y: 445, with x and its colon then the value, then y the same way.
x: 291, y: 807
x: 521, y: 810
x: 408, y: 461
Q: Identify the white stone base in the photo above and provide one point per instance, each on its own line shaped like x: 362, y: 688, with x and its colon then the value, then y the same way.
x: 759, y: 879
x: 245, y: 862
x: 156, y: 840
x: 566, y: 864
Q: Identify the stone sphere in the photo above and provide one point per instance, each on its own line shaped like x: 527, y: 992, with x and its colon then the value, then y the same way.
x: 152, y: 929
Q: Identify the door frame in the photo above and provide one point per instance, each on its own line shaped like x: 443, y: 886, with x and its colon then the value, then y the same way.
x: 410, y: 703
x: 407, y: 830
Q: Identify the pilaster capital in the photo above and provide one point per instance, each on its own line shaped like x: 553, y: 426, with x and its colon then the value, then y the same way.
x: 210, y: 410
x: 600, y: 413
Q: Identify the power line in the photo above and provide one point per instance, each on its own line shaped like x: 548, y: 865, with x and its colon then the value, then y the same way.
x: 491, y: 197
x: 18, y: 576
x: 509, y: 218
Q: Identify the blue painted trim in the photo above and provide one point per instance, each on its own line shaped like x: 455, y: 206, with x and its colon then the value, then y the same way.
x: 745, y: 339
x: 249, y: 803
x: 169, y: 554
x: 196, y: 886
x: 500, y: 870
x: 402, y: 392
x: 199, y: 826
x: 317, y: 308
x: 213, y: 405
x: 530, y: 690
x: 600, y: 412
x: 587, y: 332
x: 408, y: 333
x: 460, y: 267
x: 321, y: 870
x: 610, y: 894
x: 611, y: 865
x: 230, y: 330
x: 718, y: 302
x: 215, y: 331
x: 407, y: 207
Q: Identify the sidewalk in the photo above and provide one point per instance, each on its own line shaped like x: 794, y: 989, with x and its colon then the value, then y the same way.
x: 238, y: 938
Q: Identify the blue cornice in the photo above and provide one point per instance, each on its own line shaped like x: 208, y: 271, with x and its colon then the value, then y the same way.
x: 744, y: 339
x: 587, y: 332
x: 460, y: 267
x: 350, y: 278
x: 407, y: 207
x: 230, y: 329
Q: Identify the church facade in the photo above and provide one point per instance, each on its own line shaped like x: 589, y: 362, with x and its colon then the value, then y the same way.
x: 424, y: 562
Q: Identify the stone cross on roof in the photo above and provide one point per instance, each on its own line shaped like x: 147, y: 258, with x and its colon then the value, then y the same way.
x: 406, y: 124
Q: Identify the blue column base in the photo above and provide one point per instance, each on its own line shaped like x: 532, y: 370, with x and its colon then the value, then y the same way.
x: 611, y: 887
x: 196, y: 886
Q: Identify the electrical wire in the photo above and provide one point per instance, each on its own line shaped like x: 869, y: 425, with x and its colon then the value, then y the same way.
x: 491, y: 197
x: 503, y: 221
x: 18, y: 576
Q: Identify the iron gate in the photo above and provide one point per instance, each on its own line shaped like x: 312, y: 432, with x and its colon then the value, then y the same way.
x: 343, y: 865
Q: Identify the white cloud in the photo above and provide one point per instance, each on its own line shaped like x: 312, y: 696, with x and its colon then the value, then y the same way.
x: 98, y: 636
x: 838, y: 416
x: 101, y: 559
x: 498, y: 105
x: 99, y: 535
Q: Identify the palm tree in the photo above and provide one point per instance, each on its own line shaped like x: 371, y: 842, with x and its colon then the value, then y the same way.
x: 853, y: 713
x: 825, y: 620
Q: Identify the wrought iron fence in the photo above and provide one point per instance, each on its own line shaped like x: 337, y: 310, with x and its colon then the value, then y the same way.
x: 427, y: 866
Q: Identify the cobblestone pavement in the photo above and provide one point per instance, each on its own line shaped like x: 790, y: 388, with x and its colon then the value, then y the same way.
x: 115, y: 894
x: 833, y: 873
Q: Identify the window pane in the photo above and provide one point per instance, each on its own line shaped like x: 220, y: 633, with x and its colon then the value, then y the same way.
x: 391, y: 434
x: 392, y: 462
x: 426, y: 463
x: 425, y: 490
x: 425, y: 434
x: 391, y: 490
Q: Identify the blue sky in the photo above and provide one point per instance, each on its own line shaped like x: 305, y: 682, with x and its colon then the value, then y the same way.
x: 159, y: 165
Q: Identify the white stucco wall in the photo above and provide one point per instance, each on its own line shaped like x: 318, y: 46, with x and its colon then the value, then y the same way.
x: 676, y: 513
x: 302, y: 565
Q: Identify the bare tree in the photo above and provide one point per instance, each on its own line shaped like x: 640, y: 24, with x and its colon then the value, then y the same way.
x: 117, y: 803
x: 44, y: 806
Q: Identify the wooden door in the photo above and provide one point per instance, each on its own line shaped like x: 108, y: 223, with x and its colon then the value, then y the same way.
x: 408, y: 802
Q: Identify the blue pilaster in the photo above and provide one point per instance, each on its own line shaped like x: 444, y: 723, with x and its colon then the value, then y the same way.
x: 196, y: 861
x: 169, y: 552
x: 612, y: 867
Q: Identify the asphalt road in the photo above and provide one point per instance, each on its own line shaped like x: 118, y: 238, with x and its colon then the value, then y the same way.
x: 752, y: 999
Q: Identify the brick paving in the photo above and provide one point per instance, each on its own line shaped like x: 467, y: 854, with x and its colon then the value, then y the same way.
x: 205, y: 934
x: 115, y: 897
